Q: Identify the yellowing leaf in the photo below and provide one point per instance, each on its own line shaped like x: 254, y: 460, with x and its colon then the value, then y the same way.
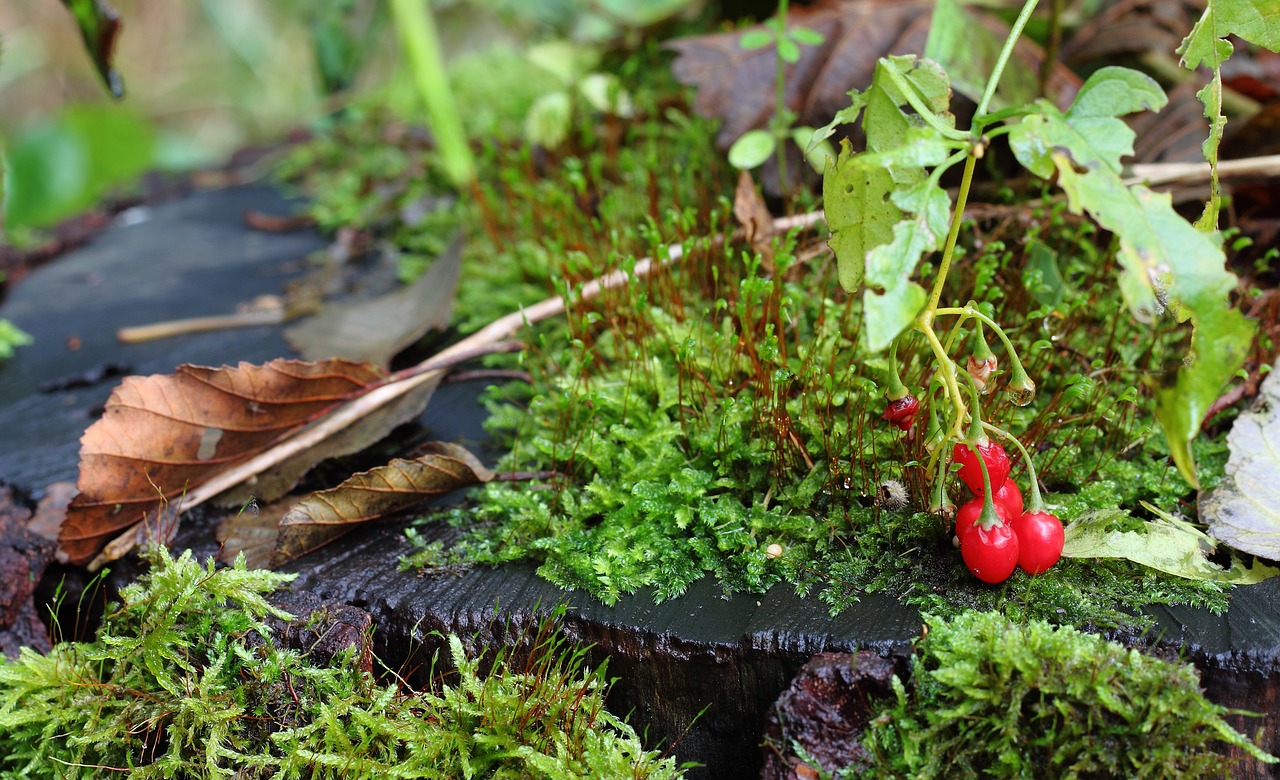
x: 1167, y: 544
x: 324, y: 516
x: 378, y: 329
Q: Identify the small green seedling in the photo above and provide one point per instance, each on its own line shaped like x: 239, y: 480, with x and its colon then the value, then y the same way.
x: 755, y: 146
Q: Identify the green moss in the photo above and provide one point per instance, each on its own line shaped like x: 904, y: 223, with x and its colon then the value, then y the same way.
x: 990, y: 698
x: 180, y: 684
x: 697, y: 417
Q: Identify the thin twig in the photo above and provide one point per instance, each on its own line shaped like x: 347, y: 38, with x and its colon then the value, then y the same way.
x: 1154, y: 174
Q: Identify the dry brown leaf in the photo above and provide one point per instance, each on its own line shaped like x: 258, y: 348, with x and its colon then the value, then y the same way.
x: 324, y: 516
x: 1132, y: 27
x: 378, y: 329
x: 736, y: 84
x: 751, y: 212
x: 160, y: 436
x: 252, y: 531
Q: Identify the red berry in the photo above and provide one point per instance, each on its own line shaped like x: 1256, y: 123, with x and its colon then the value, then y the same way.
x: 1009, y: 495
x: 971, y: 510
x: 971, y: 473
x: 990, y: 553
x: 1040, y: 537
x: 902, y: 412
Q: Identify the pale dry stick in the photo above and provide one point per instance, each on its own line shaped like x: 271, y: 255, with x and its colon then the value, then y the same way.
x: 1156, y: 174
x: 477, y: 343
x: 136, y: 334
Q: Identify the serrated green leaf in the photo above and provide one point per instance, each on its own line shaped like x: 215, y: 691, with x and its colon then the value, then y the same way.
x: 883, y: 209
x: 1167, y: 544
x: 1090, y: 131
x: 892, y: 301
x: 1256, y: 21
x: 845, y: 116
x: 920, y: 147
x: 1167, y: 263
x: 752, y: 149
x: 1243, y: 511
x: 1211, y: 96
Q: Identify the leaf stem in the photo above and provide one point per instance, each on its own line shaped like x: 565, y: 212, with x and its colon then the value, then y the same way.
x: 973, y: 311
x: 1037, y: 503
x: 1015, y: 32
x: 414, y: 22
x: 957, y: 216
x: 780, y: 122
x: 909, y: 92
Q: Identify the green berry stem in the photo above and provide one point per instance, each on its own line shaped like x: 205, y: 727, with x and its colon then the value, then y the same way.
x: 896, y: 390
x: 988, y: 518
x: 1036, y: 504
x: 976, y: 433
x: 1019, y: 373
x: 939, y: 501
x: 981, y: 349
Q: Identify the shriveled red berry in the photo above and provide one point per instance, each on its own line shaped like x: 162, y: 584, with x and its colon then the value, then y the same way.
x: 980, y: 371
x: 902, y: 412
x: 991, y: 554
x: 1040, y: 538
x: 1010, y: 496
x: 971, y: 473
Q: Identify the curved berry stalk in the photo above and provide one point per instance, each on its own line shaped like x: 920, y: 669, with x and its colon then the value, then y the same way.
x: 989, y: 546
x: 903, y: 406
x: 1040, y: 533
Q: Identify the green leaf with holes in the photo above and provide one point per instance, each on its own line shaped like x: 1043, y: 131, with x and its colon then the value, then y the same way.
x: 884, y: 208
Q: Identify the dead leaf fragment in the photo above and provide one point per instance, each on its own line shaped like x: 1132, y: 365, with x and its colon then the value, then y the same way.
x: 378, y: 329
x: 162, y: 435
x: 1243, y: 510
x: 324, y: 516
x: 752, y: 213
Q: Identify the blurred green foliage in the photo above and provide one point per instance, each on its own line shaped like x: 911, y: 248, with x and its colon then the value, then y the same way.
x: 67, y: 162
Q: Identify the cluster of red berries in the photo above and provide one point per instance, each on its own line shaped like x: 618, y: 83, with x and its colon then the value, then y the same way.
x: 993, y: 548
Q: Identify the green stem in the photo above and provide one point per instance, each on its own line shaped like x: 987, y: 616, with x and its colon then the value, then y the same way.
x: 417, y: 31
x: 948, y: 370
x: 780, y: 100
x: 988, y: 518
x: 957, y: 216
x: 1015, y: 32
x: 897, y: 390
x: 1037, y: 503
x: 973, y: 311
x: 930, y: 118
